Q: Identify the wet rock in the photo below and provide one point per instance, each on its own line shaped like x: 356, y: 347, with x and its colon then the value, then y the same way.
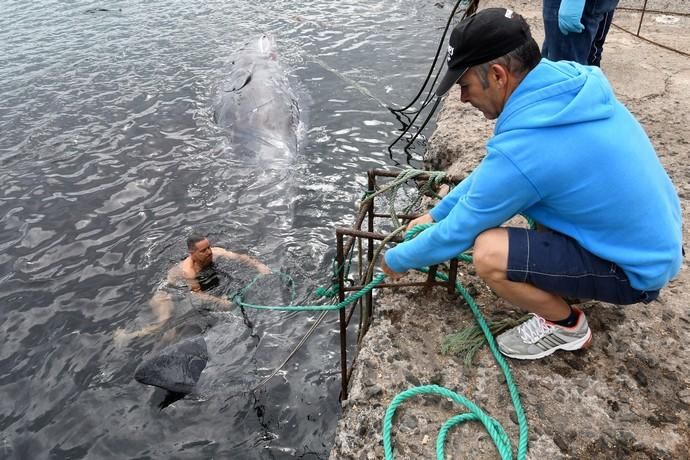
x: 640, y: 378
x: 412, y: 379
x: 372, y: 391
x: 684, y: 396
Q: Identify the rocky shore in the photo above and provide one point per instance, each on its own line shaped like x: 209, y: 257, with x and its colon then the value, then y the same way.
x: 628, y: 395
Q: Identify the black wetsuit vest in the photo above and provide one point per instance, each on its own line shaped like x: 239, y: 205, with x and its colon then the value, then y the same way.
x: 208, y: 278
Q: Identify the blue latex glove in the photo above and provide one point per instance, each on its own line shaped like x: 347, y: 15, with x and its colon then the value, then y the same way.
x: 569, y: 15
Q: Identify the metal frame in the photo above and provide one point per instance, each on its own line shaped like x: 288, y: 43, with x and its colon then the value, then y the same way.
x: 642, y: 12
x: 356, y: 234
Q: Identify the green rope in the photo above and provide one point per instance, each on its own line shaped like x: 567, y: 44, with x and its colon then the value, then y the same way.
x: 237, y: 298
x: 498, y: 436
x: 504, y: 448
x: 470, y: 340
x: 475, y: 413
x: 494, y: 428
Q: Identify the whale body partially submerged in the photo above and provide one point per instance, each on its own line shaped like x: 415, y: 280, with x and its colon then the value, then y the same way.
x: 257, y: 107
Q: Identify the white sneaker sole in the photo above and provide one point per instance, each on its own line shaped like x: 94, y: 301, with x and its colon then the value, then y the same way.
x: 582, y: 343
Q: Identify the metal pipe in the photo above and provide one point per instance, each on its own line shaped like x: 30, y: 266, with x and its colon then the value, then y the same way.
x: 424, y: 176
x: 369, y: 298
x: 340, y: 263
x: 452, y: 275
x: 363, y: 234
x: 644, y: 10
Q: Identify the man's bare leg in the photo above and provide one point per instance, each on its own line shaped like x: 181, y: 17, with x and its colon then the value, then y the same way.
x: 162, y: 307
x: 490, y: 258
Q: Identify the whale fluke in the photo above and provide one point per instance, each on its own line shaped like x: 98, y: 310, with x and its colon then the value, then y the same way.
x: 177, y: 367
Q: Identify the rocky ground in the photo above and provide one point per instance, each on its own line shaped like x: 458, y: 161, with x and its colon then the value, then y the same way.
x: 628, y: 395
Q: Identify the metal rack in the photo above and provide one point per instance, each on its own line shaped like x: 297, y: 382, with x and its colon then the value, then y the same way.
x: 347, y: 237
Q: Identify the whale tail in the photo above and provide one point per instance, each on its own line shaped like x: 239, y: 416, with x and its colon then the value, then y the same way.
x: 176, y: 368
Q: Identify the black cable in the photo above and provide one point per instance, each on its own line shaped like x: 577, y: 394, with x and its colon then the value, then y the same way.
x: 421, y: 128
x: 438, y: 52
x: 404, y: 112
x: 407, y: 128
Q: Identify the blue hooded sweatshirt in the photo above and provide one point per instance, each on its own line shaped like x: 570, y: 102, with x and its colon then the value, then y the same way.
x: 568, y: 154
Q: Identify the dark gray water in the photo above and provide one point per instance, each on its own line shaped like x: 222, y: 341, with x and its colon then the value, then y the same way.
x: 109, y: 157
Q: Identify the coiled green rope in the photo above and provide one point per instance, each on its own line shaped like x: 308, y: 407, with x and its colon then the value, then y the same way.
x: 494, y: 428
x: 496, y: 432
x: 475, y: 413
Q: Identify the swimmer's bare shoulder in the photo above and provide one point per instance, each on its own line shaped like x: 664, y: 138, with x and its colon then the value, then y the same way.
x: 183, y: 272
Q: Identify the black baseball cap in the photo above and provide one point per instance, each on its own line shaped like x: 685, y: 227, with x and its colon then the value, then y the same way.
x: 480, y: 38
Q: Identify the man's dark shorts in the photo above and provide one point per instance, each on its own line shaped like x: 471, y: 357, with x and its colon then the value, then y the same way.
x: 557, y: 264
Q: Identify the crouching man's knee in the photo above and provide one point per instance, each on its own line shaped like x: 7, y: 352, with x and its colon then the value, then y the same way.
x: 490, y: 254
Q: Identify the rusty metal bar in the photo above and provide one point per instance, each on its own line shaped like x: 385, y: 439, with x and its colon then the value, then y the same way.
x: 660, y: 45
x: 386, y: 173
x: 644, y: 10
x: 431, y: 276
x: 363, y: 234
x: 368, y: 305
x: 352, y: 309
x: 346, y: 239
x: 340, y: 266
x: 452, y: 275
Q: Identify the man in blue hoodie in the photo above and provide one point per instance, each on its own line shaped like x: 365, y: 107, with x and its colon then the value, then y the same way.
x: 568, y: 154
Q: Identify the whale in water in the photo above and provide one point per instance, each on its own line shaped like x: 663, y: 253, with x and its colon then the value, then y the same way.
x: 257, y: 108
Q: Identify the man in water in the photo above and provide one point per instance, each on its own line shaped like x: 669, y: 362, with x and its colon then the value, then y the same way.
x: 198, y: 273
x: 197, y: 269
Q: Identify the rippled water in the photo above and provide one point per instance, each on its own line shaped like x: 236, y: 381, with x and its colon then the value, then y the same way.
x: 109, y: 157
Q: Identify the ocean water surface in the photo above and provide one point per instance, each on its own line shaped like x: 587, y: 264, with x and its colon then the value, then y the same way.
x: 110, y: 157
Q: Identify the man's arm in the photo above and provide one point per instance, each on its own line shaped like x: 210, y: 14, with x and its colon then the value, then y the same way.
x: 498, y: 191
x: 261, y: 268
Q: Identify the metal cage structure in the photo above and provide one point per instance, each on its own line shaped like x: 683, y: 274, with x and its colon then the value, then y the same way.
x: 365, y: 233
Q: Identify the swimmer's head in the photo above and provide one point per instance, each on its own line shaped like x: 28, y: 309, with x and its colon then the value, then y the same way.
x: 199, y: 249
x: 193, y: 239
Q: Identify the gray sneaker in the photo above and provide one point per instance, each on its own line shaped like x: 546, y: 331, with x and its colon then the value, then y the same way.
x: 537, y: 337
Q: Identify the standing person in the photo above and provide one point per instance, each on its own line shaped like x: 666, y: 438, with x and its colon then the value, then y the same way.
x: 575, y: 30
x: 568, y: 154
